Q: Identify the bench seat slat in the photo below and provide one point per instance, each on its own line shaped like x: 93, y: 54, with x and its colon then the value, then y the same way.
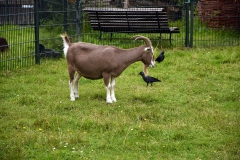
x: 129, y: 18
x: 122, y: 16
x: 130, y: 25
x: 142, y: 22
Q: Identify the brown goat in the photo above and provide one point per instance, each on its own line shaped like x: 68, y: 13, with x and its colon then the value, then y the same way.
x: 108, y: 62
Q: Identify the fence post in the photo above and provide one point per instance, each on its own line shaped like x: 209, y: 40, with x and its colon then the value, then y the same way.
x: 65, y: 15
x: 191, y: 22
x: 36, y: 30
x: 77, y: 17
x: 80, y: 21
x: 187, y: 24
x: 7, y: 11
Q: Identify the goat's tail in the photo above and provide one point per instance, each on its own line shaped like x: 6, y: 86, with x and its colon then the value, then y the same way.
x: 66, y: 43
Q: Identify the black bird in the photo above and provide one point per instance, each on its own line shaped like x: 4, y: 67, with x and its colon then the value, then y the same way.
x: 160, y: 58
x: 149, y: 79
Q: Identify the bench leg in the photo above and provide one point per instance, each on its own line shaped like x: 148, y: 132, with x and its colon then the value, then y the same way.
x: 100, y: 36
x: 111, y: 36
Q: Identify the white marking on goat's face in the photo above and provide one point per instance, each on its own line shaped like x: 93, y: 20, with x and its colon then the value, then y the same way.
x: 146, y: 49
x: 153, y: 60
x: 150, y: 49
x: 152, y: 64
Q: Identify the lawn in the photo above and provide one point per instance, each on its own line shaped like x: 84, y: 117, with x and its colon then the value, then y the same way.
x: 194, y: 113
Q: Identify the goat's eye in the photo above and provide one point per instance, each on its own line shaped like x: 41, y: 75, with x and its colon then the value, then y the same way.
x: 149, y: 49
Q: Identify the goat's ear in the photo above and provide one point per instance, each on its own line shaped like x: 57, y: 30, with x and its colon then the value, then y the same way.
x: 147, y: 49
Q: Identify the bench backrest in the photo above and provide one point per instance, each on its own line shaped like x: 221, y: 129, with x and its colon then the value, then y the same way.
x: 147, y: 21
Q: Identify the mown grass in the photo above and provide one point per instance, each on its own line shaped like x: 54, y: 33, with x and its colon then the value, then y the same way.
x: 192, y: 114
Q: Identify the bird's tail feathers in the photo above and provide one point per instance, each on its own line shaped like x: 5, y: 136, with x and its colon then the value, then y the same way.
x: 156, y: 80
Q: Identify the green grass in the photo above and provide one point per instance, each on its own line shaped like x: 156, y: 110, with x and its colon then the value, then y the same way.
x: 192, y: 114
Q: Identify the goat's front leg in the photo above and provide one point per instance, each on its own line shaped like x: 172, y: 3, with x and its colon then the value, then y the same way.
x: 73, y: 85
x: 113, y: 82
x: 107, y: 78
x: 108, y: 98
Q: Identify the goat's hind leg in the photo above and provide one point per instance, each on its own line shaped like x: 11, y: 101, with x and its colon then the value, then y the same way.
x: 75, y: 84
x: 71, y: 87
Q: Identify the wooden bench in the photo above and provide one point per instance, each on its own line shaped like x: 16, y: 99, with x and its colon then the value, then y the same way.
x: 131, y: 20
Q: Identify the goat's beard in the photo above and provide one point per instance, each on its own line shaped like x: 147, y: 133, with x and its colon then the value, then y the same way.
x: 145, y: 70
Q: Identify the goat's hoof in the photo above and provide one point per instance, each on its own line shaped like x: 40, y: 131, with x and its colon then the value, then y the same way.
x: 114, y: 99
x: 72, y: 99
x: 108, y: 101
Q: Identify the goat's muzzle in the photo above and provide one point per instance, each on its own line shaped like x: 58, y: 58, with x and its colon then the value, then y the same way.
x: 152, y: 64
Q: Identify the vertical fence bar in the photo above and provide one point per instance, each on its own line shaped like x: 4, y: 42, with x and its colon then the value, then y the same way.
x: 191, y: 22
x: 36, y: 29
x: 7, y: 11
x: 187, y: 24
x: 78, y: 18
x: 65, y: 15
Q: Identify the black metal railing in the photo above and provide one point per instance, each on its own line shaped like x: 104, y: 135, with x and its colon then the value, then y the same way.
x: 25, y: 24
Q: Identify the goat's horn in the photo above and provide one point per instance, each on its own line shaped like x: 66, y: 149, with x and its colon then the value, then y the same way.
x: 134, y: 37
x: 147, y: 41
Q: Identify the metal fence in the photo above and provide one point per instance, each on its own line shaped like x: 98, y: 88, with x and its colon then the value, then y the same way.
x: 28, y: 25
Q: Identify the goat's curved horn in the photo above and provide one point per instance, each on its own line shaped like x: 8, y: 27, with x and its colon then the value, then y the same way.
x: 147, y: 41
